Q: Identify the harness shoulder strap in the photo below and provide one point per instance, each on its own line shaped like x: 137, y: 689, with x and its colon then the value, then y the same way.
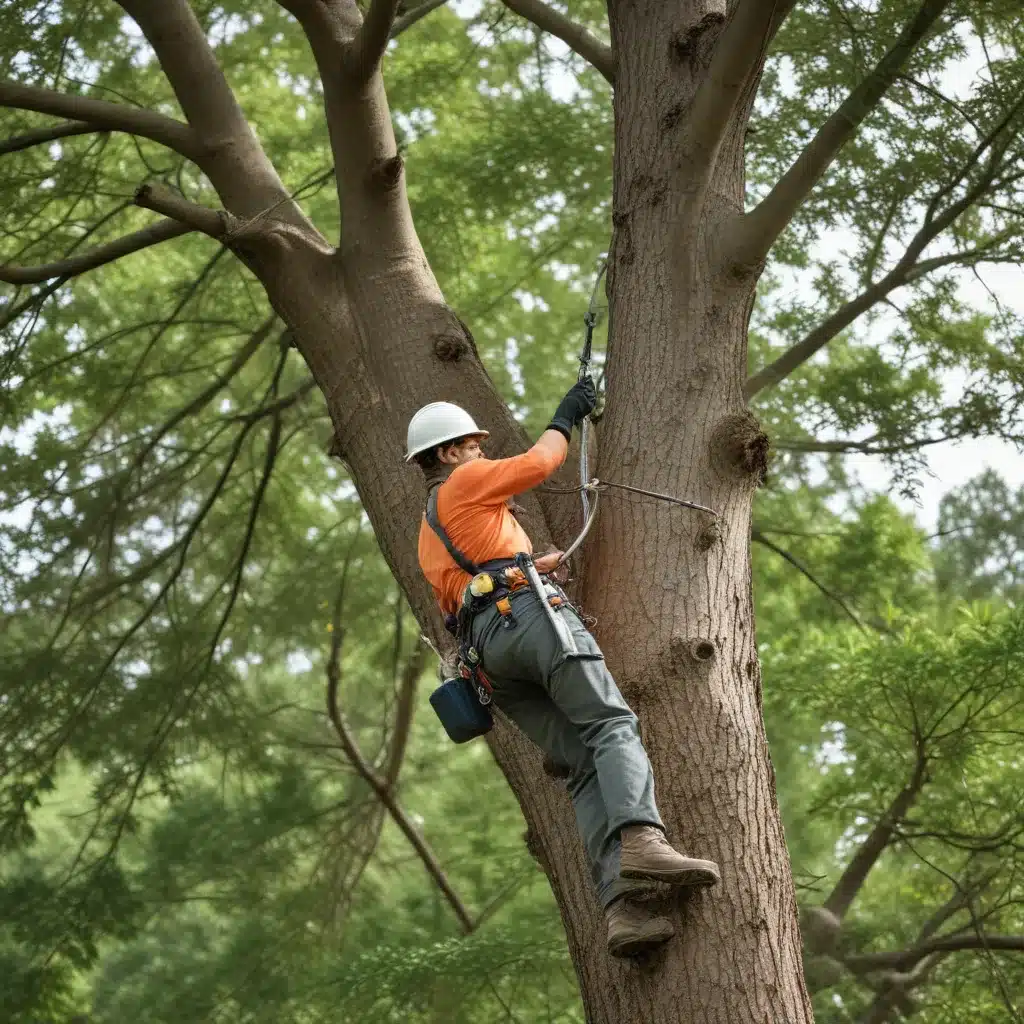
x: 435, y: 524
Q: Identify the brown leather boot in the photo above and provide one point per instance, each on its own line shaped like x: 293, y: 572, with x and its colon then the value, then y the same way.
x: 633, y: 929
x: 646, y: 853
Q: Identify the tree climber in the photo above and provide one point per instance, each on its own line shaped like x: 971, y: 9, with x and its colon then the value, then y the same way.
x: 551, y: 682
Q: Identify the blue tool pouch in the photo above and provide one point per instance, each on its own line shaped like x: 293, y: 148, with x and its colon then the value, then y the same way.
x: 462, y: 715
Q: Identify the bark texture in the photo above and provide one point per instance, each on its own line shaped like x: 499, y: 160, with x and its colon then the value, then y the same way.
x: 671, y: 589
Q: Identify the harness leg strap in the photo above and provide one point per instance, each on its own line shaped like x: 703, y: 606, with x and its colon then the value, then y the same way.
x: 558, y: 623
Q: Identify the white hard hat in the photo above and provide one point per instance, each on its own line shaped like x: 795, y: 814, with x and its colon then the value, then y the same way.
x: 436, y: 423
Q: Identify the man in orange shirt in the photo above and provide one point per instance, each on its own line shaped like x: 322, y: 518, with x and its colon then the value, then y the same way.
x: 552, y: 682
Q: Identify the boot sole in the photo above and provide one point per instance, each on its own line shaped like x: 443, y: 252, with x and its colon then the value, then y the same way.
x: 637, y: 946
x: 677, y: 876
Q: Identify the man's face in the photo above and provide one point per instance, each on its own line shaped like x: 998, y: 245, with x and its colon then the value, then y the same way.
x: 460, y: 454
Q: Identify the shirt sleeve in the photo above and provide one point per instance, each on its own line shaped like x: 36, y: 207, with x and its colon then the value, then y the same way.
x: 494, y: 481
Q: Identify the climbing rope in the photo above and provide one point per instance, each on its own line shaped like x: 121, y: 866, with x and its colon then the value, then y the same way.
x: 590, y: 489
x: 590, y: 320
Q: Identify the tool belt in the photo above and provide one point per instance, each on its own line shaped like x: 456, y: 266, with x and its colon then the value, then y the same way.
x: 494, y: 586
x: 492, y: 583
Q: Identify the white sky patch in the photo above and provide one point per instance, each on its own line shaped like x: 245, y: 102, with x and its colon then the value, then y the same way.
x: 467, y: 8
x: 832, y: 750
x: 298, y: 663
x: 952, y: 463
x: 233, y: 25
x: 530, y: 302
x: 415, y: 123
x: 24, y: 438
x: 512, y: 366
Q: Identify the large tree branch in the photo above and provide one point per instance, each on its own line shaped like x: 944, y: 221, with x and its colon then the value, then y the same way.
x: 759, y: 228
x: 162, y: 231
x: 575, y: 36
x: 783, y: 9
x: 372, y: 40
x: 103, y: 116
x: 737, y: 55
x: 368, y: 168
x: 905, y: 272
x: 229, y: 151
x: 40, y: 136
x: 856, y: 873
x: 863, y: 963
x: 410, y: 18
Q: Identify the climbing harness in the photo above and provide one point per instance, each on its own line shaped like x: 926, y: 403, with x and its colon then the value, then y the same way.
x: 462, y: 703
x: 590, y: 489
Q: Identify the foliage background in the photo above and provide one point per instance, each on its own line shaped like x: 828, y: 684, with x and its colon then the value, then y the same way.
x: 183, y: 839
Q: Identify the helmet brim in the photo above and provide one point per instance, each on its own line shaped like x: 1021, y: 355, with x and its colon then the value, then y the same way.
x: 444, y: 440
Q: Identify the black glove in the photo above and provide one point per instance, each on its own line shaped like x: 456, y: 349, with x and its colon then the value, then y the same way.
x: 578, y: 403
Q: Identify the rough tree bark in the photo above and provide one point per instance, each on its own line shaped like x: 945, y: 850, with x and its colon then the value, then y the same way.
x: 671, y: 591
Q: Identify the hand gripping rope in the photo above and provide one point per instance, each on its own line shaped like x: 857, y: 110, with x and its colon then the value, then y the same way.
x: 592, y: 488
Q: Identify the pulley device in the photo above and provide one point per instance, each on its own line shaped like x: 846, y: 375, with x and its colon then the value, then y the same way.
x: 590, y: 490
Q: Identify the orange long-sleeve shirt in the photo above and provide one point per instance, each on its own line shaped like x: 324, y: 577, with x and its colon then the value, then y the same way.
x: 471, y: 505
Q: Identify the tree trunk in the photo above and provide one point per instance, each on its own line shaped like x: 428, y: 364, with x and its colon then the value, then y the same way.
x: 671, y: 589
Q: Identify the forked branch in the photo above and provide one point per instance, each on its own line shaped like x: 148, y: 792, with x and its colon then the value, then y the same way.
x: 229, y: 152
x: 574, y: 35
x: 760, y: 227
x: 373, y: 37
x: 736, y: 58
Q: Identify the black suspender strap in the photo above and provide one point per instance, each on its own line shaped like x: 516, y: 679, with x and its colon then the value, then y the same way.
x: 435, y: 524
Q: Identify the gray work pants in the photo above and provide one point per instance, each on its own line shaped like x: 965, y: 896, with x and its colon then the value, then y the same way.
x: 572, y: 709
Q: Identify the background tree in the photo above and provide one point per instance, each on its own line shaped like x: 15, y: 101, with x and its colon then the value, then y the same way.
x: 149, y: 451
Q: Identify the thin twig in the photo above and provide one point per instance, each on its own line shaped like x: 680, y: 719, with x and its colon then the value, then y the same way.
x: 379, y: 785
x: 758, y: 537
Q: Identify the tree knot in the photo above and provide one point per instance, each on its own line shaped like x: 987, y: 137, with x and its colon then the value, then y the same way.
x: 709, y: 536
x: 385, y: 174
x: 692, y: 650
x: 740, y: 444
x: 696, y: 41
x: 450, y: 347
